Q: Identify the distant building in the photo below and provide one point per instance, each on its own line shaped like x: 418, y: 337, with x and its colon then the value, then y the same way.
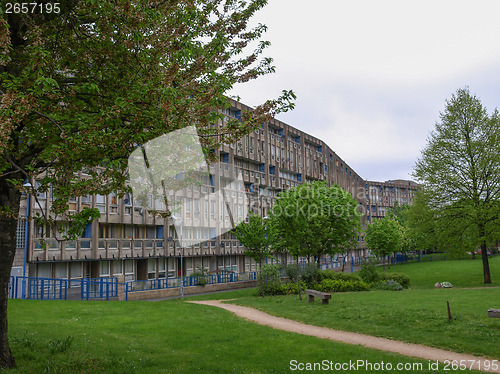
x: 381, y: 196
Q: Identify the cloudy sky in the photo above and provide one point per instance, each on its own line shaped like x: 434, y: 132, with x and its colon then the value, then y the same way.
x: 371, y: 77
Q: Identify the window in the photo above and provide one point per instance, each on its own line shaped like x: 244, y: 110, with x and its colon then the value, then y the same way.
x: 20, y: 233
x: 100, y: 202
x: 196, y: 208
x: 151, y: 268
x: 41, y: 195
x: 212, y: 209
x: 129, y: 270
x: 188, y: 207
x: 104, y: 268
x: 162, y: 273
x: 75, y: 269
x: 117, y: 267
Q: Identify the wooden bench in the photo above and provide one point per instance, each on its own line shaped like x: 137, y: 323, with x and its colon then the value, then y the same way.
x: 494, y: 313
x: 323, y: 295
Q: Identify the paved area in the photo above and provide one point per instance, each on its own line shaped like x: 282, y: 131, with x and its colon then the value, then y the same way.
x: 407, y: 349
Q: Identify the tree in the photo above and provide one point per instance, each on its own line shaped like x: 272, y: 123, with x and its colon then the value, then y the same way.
x: 384, y: 237
x: 83, y: 85
x: 440, y: 228
x: 421, y: 222
x: 400, y: 213
x: 460, y: 168
x: 313, y: 219
x: 256, y: 236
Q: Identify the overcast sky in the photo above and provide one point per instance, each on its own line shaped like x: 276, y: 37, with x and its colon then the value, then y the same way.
x: 371, y: 77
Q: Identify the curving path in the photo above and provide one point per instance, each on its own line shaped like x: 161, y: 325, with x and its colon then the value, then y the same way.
x: 407, y: 349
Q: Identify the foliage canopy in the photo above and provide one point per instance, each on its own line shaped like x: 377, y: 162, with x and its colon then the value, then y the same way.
x: 83, y: 87
x: 460, y: 169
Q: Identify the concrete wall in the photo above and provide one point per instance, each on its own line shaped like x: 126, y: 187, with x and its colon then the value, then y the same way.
x: 176, y: 292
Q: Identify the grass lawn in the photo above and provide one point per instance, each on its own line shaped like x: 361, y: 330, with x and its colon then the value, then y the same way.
x: 460, y: 273
x: 418, y: 315
x: 165, y: 337
x: 177, y: 337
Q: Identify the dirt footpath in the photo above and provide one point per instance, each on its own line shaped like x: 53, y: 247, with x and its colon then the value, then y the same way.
x: 407, y: 349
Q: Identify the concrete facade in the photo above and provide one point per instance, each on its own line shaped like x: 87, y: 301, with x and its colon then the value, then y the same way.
x: 129, y: 242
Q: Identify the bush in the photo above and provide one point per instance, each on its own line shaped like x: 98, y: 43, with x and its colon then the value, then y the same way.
x: 291, y: 272
x: 402, y: 279
x: 200, y: 272
x: 390, y: 285
x: 340, y: 285
x: 348, y: 277
x: 368, y: 272
x: 310, y: 275
x: 290, y: 288
x: 271, y: 280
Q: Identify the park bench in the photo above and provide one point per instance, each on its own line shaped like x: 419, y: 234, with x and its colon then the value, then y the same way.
x: 323, y: 295
x: 494, y: 313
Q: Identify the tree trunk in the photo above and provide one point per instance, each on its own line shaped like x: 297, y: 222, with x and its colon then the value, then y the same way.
x: 9, y: 203
x: 484, y: 255
x: 298, y: 279
x: 486, y: 265
x: 389, y: 262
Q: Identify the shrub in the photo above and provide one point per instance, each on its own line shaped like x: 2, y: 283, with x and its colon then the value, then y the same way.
x: 291, y: 272
x: 200, y: 272
x: 390, y: 285
x: 340, y: 285
x: 289, y: 288
x: 368, y: 272
x: 402, y: 279
x: 310, y: 275
x: 326, y: 274
x: 348, y: 276
x: 270, y: 279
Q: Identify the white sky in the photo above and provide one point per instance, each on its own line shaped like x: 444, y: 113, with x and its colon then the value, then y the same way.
x: 371, y: 77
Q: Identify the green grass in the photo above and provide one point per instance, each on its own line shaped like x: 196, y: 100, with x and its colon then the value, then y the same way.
x: 162, y: 337
x: 460, y: 273
x: 418, y: 315
x: 177, y: 337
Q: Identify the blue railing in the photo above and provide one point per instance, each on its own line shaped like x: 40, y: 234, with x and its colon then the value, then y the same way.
x: 62, y: 289
x: 46, y: 288
x: 107, y: 288
x: 99, y: 288
x: 157, y: 284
